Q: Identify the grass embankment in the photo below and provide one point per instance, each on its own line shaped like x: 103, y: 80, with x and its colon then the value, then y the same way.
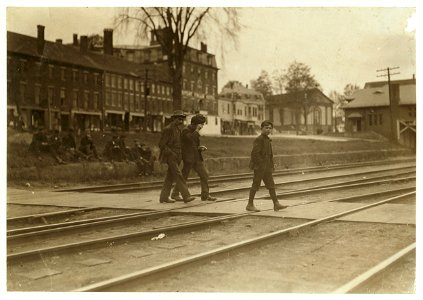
x: 19, y: 157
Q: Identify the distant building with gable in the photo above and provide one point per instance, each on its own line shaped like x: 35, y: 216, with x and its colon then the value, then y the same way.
x: 303, y: 112
x: 241, y: 110
x: 369, y: 109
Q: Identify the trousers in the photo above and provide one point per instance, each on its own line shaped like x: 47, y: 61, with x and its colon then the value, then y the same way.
x: 174, y: 175
x: 200, y: 169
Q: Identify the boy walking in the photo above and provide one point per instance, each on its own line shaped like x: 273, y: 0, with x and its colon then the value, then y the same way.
x: 262, y: 164
x: 170, y: 154
x: 193, y: 158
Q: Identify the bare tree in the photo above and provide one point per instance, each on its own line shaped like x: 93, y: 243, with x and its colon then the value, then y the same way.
x: 350, y: 88
x: 175, y: 27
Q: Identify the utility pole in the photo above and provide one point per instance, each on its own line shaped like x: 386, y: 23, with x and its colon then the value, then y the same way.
x: 146, y: 92
x: 389, y: 74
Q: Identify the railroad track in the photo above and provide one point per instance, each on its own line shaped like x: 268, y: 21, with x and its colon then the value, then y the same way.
x: 168, y: 229
x: 25, y: 231
x: 139, y: 276
x: 369, y: 177
x: 50, y: 255
x: 140, y: 186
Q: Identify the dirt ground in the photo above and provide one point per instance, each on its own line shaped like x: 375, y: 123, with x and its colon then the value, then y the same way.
x: 313, y: 261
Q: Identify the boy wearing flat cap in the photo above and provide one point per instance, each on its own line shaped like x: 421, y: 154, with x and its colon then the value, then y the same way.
x: 193, y: 158
x: 170, y: 154
x: 262, y: 164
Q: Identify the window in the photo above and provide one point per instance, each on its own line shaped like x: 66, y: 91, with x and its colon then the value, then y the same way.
x: 50, y: 71
x: 412, y: 112
x: 23, y: 66
x: 96, y: 103
x: 108, y: 80
x: 125, y: 83
x: 113, y: 79
x: 62, y: 74
x: 62, y: 97
x: 86, y: 98
x: 50, y: 94
x: 75, y: 75
x: 216, y: 121
x: 75, y: 99
x: 85, y: 77
x: 380, y: 119
x: 96, y: 79
x: 37, y: 89
x: 108, y: 98
x: 114, y: 98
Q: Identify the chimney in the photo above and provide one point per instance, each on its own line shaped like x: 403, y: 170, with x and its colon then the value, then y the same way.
x: 108, y: 41
x: 203, y: 47
x: 84, y: 44
x: 75, y: 39
x: 59, y: 41
x: 40, y: 39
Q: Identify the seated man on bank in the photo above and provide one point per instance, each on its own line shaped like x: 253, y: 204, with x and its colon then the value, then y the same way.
x: 87, y: 146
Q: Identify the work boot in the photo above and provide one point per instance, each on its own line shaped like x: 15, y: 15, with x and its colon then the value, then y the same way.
x: 276, y: 205
x: 176, y: 198
x: 189, y: 199
x: 250, y: 205
x: 167, y: 200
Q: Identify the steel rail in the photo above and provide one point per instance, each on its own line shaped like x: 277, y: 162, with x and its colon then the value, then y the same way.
x: 130, y: 235
x: 190, y: 259
x: 58, y: 227
x: 284, y: 183
x: 51, y: 214
x: 219, y: 178
x: 135, y: 189
x: 364, y: 277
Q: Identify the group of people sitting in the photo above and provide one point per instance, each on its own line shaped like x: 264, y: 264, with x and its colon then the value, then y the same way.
x: 141, y: 154
x: 63, y: 149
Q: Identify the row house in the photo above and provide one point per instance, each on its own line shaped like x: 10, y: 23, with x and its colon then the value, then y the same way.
x: 60, y: 86
x: 308, y: 111
x: 390, y: 113
x: 241, y: 110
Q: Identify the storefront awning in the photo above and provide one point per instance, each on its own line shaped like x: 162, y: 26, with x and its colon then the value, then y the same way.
x: 355, y: 115
x: 92, y: 113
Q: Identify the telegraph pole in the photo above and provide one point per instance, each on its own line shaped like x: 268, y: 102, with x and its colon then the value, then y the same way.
x: 389, y: 74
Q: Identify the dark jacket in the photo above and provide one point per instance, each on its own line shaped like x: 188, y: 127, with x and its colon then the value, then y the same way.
x: 262, y: 154
x: 190, y: 140
x: 68, y: 141
x: 170, y: 143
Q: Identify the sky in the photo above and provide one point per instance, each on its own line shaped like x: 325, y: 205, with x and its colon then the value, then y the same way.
x: 341, y: 45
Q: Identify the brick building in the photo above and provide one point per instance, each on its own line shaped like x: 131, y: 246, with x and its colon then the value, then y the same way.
x: 59, y: 86
x: 199, y: 76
